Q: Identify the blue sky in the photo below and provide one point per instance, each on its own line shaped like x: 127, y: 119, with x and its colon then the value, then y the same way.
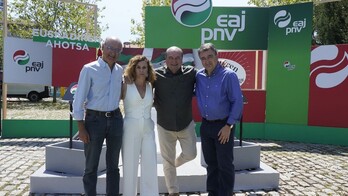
x: 118, y: 14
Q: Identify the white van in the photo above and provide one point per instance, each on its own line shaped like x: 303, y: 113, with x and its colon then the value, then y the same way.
x: 33, y: 92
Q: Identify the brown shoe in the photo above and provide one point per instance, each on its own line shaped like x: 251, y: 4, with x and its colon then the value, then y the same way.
x: 174, y: 194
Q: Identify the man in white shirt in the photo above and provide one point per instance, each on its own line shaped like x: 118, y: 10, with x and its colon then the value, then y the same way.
x: 96, y: 109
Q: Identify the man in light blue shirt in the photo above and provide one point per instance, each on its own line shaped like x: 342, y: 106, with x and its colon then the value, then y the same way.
x: 96, y: 109
x: 220, y: 104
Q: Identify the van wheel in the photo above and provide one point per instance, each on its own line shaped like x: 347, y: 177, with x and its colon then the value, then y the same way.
x: 34, y: 96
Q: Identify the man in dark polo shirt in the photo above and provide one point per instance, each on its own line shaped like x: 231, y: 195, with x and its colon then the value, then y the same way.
x: 173, y: 101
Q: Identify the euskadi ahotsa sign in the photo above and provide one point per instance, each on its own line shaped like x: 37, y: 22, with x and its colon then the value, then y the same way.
x: 62, y: 39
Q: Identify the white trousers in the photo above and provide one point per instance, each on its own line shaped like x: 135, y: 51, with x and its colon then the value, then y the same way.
x: 167, y: 140
x: 139, y: 143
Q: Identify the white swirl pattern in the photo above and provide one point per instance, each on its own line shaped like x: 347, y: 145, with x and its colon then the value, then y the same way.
x: 21, y: 57
x: 182, y: 6
x: 328, y: 80
x: 282, y: 18
x: 328, y: 52
x: 182, y: 3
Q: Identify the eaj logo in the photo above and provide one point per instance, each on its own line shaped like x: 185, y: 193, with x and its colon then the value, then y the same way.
x: 191, y: 13
x: 73, y: 89
x: 21, y: 57
x: 282, y: 19
x: 287, y: 65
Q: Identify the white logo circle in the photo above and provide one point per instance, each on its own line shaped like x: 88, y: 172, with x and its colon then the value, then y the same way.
x: 191, y: 13
x: 282, y: 18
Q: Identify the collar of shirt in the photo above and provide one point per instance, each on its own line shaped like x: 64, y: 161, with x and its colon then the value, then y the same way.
x: 103, y: 63
x: 217, y: 68
x: 168, y: 71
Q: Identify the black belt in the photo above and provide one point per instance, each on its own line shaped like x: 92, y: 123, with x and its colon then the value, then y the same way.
x: 100, y: 113
x: 216, y: 121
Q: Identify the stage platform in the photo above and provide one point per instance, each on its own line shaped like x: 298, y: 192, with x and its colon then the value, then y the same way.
x: 191, y: 178
x: 60, y: 174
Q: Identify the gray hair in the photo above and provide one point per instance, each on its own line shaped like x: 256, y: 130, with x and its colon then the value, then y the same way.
x: 111, y: 38
x: 206, y: 47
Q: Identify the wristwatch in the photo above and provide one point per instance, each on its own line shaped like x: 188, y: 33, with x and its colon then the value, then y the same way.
x: 228, y: 124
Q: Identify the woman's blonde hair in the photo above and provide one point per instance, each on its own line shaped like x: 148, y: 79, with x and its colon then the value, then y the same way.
x: 130, y: 69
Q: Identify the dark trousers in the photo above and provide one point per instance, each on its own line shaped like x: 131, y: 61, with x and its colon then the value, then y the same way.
x: 219, y: 158
x: 100, y: 128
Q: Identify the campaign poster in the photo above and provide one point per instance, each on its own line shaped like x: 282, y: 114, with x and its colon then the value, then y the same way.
x: 27, y: 62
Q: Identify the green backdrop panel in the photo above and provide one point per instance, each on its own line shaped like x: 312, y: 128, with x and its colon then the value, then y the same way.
x: 251, y: 130
x: 197, y: 127
x: 227, y: 28
x: 290, y: 132
x: 267, y: 131
x: 289, y: 43
x: 36, y: 128
x: 307, y: 134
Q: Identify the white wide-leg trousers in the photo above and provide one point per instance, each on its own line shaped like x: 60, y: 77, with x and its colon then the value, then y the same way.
x: 139, y: 144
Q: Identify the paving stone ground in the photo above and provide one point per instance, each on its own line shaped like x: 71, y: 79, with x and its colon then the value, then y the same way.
x: 305, y: 169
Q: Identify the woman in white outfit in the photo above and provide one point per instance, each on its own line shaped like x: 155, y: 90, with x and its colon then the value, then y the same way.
x: 139, y: 136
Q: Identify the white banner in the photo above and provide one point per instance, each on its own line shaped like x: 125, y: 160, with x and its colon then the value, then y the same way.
x: 27, y: 62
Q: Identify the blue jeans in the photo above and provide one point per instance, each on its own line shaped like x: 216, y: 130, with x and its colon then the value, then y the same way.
x: 219, y: 159
x: 100, y: 128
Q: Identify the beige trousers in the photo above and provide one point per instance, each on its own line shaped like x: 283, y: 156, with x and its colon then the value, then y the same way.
x: 167, y: 140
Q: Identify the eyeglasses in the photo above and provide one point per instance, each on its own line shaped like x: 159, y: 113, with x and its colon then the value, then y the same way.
x: 116, y: 50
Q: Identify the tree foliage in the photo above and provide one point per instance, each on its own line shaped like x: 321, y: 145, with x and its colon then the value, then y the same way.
x: 55, y: 15
x: 52, y: 15
x: 269, y: 3
x: 331, y: 22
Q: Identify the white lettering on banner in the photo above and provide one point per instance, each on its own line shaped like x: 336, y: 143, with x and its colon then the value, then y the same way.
x: 297, y: 26
x: 64, y: 35
x: 35, y: 32
x: 230, y: 25
x: 233, y: 21
x: 213, y: 34
x: 67, y: 45
x: 72, y: 36
x: 73, y: 40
